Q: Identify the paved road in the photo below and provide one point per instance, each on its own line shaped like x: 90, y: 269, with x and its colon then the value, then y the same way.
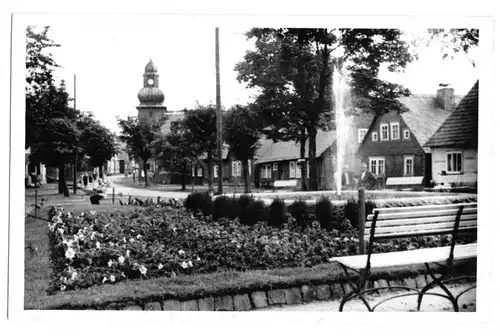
x: 143, y: 192
x: 430, y: 303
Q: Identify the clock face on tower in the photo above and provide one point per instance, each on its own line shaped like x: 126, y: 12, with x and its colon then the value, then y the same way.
x: 151, y: 81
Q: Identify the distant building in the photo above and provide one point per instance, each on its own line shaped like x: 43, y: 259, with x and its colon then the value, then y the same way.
x: 454, y: 145
x: 281, y: 160
x: 395, y: 143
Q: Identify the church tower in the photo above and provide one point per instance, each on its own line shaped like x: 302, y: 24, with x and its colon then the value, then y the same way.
x: 150, y: 96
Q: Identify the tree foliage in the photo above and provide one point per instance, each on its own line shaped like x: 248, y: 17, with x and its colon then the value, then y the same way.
x: 201, y: 124
x: 292, y: 69
x: 242, y: 133
x: 454, y: 41
x: 140, y: 137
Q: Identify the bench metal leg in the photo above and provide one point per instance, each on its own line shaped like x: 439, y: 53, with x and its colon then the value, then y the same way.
x: 437, y: 282
x: 356, y: 292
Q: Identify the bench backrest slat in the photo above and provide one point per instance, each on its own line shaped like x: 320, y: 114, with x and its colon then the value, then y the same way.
x: 446, y: 227
x: 417, y: 214
x: 424, y: 208
x: 421, y: 220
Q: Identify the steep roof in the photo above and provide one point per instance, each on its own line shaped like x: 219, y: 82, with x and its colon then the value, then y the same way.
x: 289, y: 150
x: 424, y: 116
x: 460, y: 129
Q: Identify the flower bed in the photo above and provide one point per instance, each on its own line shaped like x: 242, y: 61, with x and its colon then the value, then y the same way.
x: 163, y: 240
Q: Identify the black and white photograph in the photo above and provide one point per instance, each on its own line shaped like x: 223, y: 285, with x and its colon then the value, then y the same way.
x: 252, y: 166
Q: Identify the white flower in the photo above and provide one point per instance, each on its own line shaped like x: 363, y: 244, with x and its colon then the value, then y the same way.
x: 98, y: 245
x: 61, y: 231
x: 174, y: 229
x: 83, y: 214
x: 112, y: 278
x: 63, y: 287
x: 104, y: 280
x: 131, y: 240
x: 128, y: 253
x: 174, y: 274
x: 92, y: 235
x: 190, y: 263
x: 143, y: 269
x: 198, y: 258
x: 184, y: 264
x: 124, y: 240
x: 121, y: 259
x: 181, y: 252
x: 69, y: 214
x: 160, y: 266
x: 74, y: 275
x: 92, y: 213
x: 70, y: 253
x: 110, y: 263
x: 139, y: 236
x: 111, y: 244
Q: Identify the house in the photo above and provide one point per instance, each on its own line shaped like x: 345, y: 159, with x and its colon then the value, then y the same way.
x: 394, y: 145
x: 454, y: 144
x: 281, y: 160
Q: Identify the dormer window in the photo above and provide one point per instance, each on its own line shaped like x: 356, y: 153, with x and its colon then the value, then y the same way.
x: 384, y: 132
x: 406, y: 134
x: 374, y: 136
x: 395, y: 131
x: 361, y: 134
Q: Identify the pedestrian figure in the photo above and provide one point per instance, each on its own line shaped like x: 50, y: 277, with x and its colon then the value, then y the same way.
x: 90, y: 178
x: 133, y: 175
x: 366, y: 178
x: 85, y: 180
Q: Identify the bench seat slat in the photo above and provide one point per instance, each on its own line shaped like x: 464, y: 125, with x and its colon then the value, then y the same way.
x: 422, y: 228
x: 424, y: 208
x: 400, y: 258
x: 417, y: 221
x: 406, y: 234
x: 417, y: 214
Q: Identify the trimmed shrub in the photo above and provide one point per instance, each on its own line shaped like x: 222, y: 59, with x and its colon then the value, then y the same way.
x: 324, y: 213
x: 244, y: 203
x: 224, y: 207
x: 301, y: 212
x: 199, y: 202
x: 277, y: 213
x: 351, y: 210
x: 257, y: 212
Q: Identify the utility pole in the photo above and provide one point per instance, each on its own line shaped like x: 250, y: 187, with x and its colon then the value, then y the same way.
x: 219, y: 116
x: 76, y: 154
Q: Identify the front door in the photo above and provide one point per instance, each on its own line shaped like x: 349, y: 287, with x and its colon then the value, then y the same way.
x: 427, y: 169
x: 122, y: 166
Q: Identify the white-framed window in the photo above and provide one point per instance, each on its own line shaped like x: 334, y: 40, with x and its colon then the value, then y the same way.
x: 215, y: 171
x: 395, y: 131
x: 454, y: 162
x: 236, y: 168
x: 275, y: 166
x: 406, y: 134
x: 377, y: 165
x: 361, y: 134
x: 375, y: 136
x: 384, y: 132
x: 298, y: 170
x: 265, y: 171
x: 408, y: 166
x: 200, y: 172
x: 292, y: 169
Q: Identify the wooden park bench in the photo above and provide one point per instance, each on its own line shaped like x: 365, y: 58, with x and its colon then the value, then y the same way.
x: 406, y: 222
x: 285, y: 183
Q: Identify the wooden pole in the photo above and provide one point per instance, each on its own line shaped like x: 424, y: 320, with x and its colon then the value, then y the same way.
x: 361, y: 220
x: 219, y: 116
x: 36, y: 201
x: 113, y: 196
x: 76, y: 155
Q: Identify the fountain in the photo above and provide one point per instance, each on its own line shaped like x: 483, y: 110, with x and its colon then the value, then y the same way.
x: 339, y: 90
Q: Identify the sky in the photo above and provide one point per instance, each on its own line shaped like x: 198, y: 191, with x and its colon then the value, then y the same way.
x: 108, y: 57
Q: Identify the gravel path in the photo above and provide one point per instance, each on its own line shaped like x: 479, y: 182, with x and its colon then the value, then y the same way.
x: 430, y: 303
x: 143, y: 192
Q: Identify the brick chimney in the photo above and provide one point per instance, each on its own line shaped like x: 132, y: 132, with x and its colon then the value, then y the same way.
x: 446, y: 97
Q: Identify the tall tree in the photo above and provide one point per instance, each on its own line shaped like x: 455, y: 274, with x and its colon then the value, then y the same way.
x: 41, y: 93
x: 97, y: 141
x: 140, y: 137
x: 201, y: 123
x: 292, y: 67
x: 242, y: 133
x: 175, y: 152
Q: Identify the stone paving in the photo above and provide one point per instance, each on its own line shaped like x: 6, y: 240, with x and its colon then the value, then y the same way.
x: 430, y: 303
